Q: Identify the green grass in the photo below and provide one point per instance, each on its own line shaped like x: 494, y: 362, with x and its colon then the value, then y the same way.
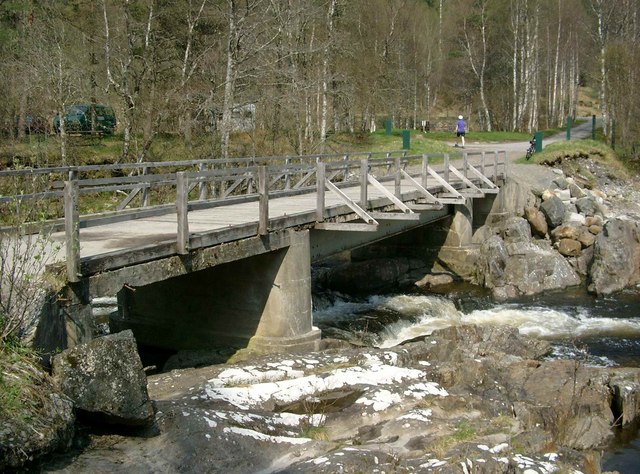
x: 317, y: 433
x: 45, y: 151
x: 566, y: 153
x: 16, y: 382
x: 483, y: 137
x: 574, y: 149
x: 40, y: 150
x: 464, y: 431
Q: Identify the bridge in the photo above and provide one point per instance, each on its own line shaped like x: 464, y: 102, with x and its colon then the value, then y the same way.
x: 214, y: 251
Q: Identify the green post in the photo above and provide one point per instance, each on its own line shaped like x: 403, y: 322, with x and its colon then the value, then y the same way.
x: 568, y: 127
x: 406, y: 140
x: 593, y: 127
x: 538, y: 138
x: 387, y: 127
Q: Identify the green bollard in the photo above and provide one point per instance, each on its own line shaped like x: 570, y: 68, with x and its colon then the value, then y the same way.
x: 387, y: 127
x: 568, y: 127
x: 406, y: 140
x: 538, y: 138
x: 593, y: 127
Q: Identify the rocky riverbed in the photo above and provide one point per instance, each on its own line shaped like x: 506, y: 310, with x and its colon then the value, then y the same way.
x: 463, y: 399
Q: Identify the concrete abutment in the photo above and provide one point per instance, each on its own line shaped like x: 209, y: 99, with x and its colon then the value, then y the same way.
x: 261, y: 303
x: 445, y: 245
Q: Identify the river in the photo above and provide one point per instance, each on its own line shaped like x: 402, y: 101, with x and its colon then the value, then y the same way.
x: 601, y: 331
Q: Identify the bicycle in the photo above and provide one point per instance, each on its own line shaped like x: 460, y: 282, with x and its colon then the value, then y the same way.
x: 532, y: 148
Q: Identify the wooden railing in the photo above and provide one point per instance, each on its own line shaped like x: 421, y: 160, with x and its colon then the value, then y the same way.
x: 202, y: 184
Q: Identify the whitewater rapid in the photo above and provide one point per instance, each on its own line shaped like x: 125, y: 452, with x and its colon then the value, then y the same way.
x: 420, y: 315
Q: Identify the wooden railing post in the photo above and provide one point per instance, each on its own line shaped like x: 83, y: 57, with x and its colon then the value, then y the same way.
x: 483, y: 164
x: 446, y: 167
x: 72, y: 227
x: 364, y: 173
x: 182, y: 208
x: 495, y: 166
x: 287, y: 176
x: 250, y: 177
x: 506, y: 164
x: 465, y: 164
x: 397, y: 178
x: 345, y: 171
x: 320, y: 177
x: 145, y: 189
x: 202, y: 185
x: 424, y: 172
x: 263, y: 191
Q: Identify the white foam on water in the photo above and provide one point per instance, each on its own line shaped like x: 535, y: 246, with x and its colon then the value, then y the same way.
x: 431, y: 313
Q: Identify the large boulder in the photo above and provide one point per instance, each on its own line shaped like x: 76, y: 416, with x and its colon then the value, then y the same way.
x: 569, y: 399
x: 569, y: 247
x: 554, y: 210
x: 566, y: 231
x: 587, y: 206
x: 616, y: 259
x: 522, y: 268
x: 512, y: 200
x: 105, y: 380
x: 516, y: 229
x: 537, y: 221
x: 491, y: 263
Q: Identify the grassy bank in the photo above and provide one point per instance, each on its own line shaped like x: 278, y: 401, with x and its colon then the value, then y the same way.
x: 568, y: 151
x: 44, y: 150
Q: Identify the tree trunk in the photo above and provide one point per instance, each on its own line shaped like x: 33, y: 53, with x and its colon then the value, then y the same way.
x: 229, y: 83
x: 325, y: 76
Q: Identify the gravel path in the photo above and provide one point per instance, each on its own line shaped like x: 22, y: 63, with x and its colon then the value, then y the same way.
x: 539, y: 176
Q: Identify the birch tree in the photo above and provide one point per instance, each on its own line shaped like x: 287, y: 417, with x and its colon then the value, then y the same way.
x: 524, y: 18
x: 127, y: 61
x: 331, y: 11
x: 475, y: 44
x: 603, y: 10
x: 249, y: 35
x: 190, y: 61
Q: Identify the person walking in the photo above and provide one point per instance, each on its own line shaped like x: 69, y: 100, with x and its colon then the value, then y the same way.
x: 461, y: 128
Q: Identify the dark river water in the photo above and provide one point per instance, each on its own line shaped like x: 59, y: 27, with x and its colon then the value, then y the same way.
x: 601, y: 331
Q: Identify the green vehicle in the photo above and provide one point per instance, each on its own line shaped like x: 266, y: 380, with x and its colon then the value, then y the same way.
x: 87, y: 118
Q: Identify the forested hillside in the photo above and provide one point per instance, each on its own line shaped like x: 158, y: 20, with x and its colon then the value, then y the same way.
x: 291, y: 72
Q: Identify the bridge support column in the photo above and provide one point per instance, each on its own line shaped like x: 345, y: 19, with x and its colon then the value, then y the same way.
x: 457, y: 248
x: 286, y: 322
x: 78, y: 317
x: 260, y: 303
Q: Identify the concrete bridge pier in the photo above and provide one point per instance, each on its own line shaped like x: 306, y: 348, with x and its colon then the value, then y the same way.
x: 286, y: 323
x: 260, y: 303
x: 457, y: 248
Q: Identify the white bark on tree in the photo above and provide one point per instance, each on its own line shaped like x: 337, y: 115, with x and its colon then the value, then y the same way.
x: 603, y: 10
x: 325, y: 75
x: 478, y: 57
x: 189, y: 64
x: 128, y: 84
x: 533, y: 71
x: 515, y: 64
x: 553, y: 110
x: 233, y: 43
